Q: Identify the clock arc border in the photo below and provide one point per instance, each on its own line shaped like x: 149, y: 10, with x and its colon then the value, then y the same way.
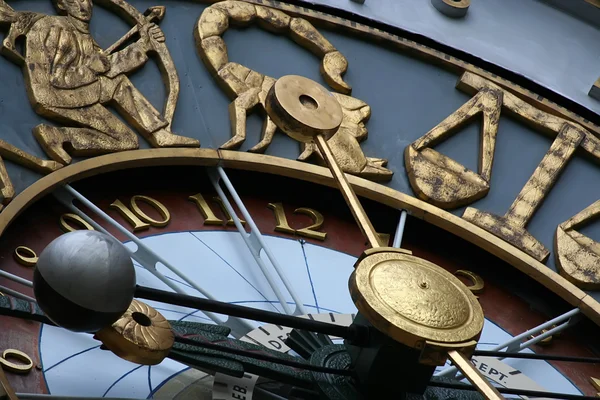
x: 315, y: 174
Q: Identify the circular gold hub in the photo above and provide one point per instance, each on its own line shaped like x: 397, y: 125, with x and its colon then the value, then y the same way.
x: 413, y: 300
x: 302, y: 108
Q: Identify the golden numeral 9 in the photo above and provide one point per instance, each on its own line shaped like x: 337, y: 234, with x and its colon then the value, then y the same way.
x: 67, y: 219
x: 25, y: 256
x: 25, y: 365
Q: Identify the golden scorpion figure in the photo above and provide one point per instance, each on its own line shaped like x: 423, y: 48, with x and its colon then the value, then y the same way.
x: 249, y: 89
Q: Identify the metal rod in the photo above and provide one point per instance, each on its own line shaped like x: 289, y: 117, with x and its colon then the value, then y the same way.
x: 351, y: 199
x: 518, y: 392
x: 472, y: 374
x: 400, y: 230
x: 538, y: 328
x: 259, y: 238
x: 146, y: 256
x: 214, y: 178
x: 143, y: 254
x: 14, y: 293
x: 155, y: 257
x: 263, y: 357
x: 530, y: 356
x: 134, y: 254
x: 540, y: 337
x: 245, y: 312
x: 518, y: 338
x: 15, y: 278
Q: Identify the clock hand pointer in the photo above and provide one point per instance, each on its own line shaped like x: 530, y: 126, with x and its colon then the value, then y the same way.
x: 18, y: 308
x: 307, y: 112
x: 277, y: 359
x: 354, y: 333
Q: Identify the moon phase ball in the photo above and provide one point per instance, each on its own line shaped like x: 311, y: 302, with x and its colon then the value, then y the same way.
x: 84, y: 281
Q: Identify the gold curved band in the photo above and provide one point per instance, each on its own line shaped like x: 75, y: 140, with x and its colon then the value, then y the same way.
x: 315, y: 174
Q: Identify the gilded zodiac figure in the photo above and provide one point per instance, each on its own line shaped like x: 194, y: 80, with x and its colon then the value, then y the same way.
x: 70, y: 79
x: 248, y: 88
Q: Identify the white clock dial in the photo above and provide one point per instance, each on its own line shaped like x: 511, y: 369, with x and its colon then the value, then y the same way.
x: 221, y: 264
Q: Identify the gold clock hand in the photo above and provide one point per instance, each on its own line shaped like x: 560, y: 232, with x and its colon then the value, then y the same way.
x: 6, y: 391
x: 364, y: 223
x: 470, y: 372
x: 307, y: 112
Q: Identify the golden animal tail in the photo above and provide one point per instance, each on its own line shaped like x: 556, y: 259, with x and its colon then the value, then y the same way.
x: 215, y: 20
x: 7, y: 14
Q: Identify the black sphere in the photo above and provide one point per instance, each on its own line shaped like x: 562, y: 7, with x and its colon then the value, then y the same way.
x: 84, y: 281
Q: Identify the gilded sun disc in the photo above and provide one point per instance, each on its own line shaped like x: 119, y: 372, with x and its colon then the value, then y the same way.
x: 413, y: 300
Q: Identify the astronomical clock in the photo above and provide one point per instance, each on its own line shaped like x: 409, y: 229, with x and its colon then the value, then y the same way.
x: 254, y: 199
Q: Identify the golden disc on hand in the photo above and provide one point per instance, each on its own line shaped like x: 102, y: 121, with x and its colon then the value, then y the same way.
x: 303, y: 109
x: 142, y: 335
x: 413, y: 300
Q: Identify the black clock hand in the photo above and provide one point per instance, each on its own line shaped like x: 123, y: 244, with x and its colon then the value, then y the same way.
x: 238, y: 348
x: 354, y: 333
x: 13, y: 307
x: 208, y: 347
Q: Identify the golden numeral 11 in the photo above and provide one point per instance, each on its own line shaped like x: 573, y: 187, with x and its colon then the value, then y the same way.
x: 310, y: 231
x: 209, y: 216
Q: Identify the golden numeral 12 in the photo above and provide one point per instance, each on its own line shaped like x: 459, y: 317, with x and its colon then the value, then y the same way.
x: 310, y: 231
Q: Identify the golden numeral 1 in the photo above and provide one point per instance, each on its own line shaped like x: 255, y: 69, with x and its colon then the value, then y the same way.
x: 66, y: 218
x: 138, y: 219
x: 282, y: 224
x: 209, y: 216
x: 281, y: 219
x: 219, y: 201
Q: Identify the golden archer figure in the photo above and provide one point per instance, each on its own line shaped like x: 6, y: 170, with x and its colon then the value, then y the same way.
x: 70, y: 79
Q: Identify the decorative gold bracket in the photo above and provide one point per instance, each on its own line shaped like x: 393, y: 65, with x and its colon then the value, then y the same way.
x: 442, y: 181
x: 568, y: 137
x: 578, y: 256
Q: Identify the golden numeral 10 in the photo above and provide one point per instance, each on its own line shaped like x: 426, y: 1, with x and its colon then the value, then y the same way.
x: 138, y: 219
x: 309, y: 231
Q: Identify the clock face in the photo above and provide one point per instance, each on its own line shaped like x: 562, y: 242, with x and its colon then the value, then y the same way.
x: 318, y: 264
x: 204, y: 214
